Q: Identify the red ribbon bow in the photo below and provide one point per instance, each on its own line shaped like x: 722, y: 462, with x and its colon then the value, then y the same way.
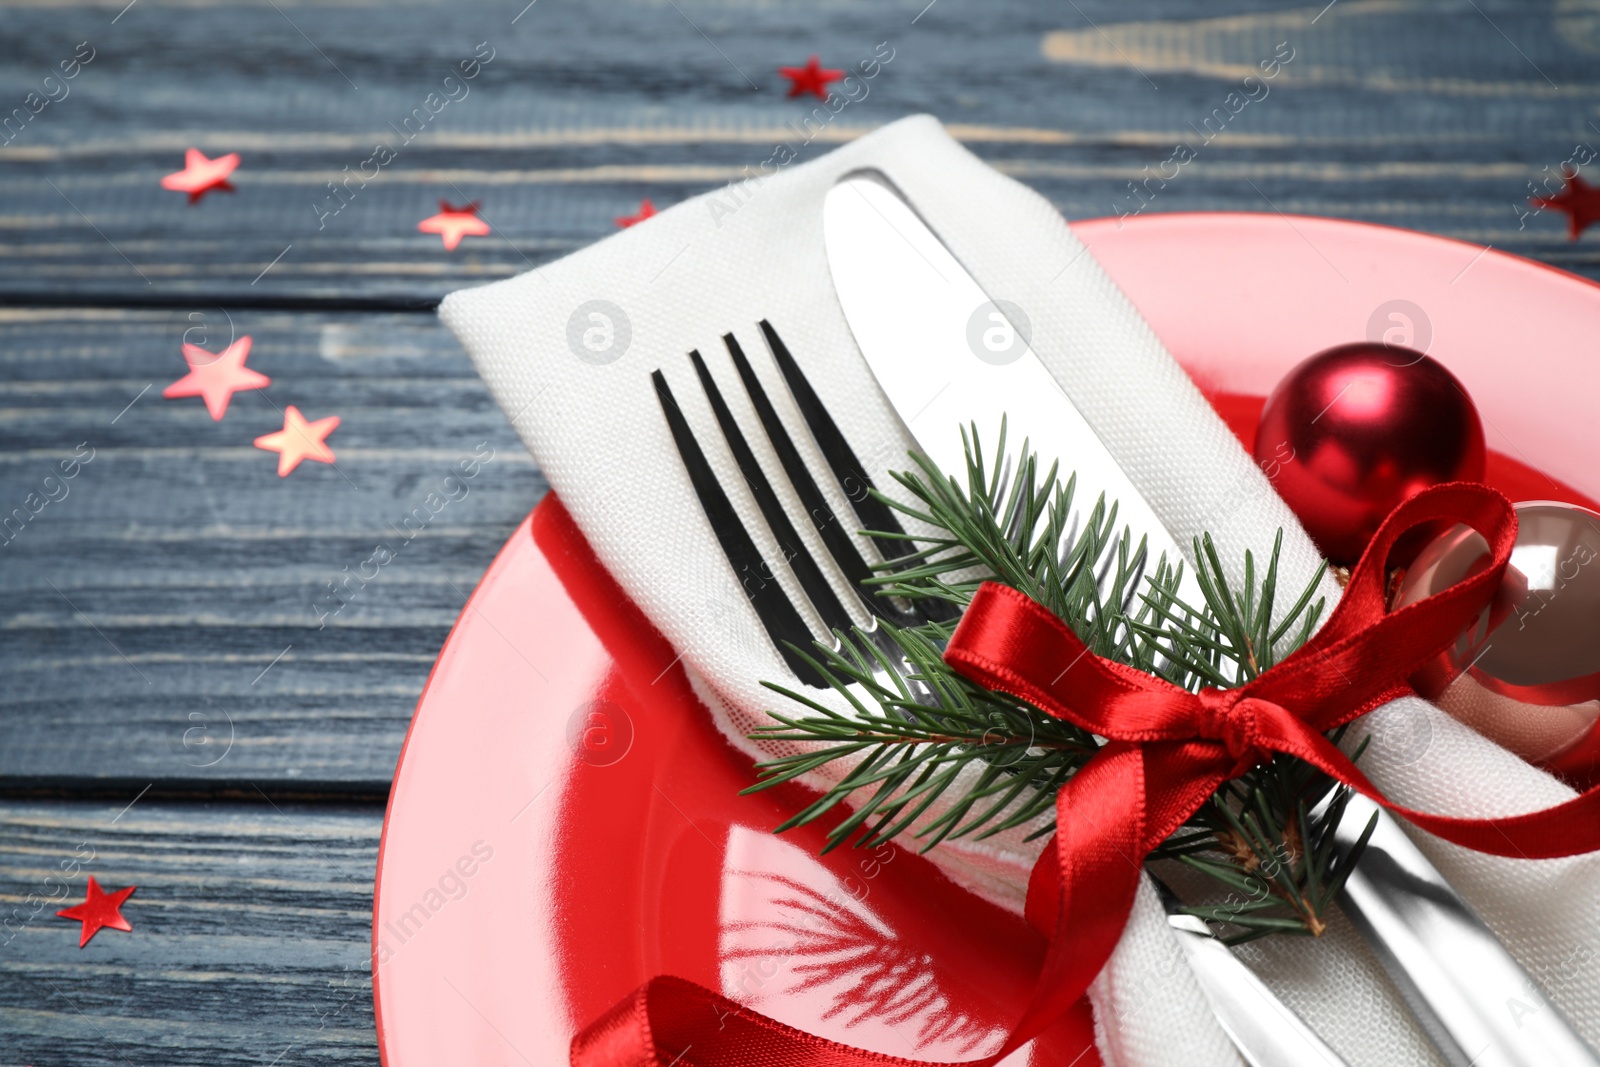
x: 1167, y: 751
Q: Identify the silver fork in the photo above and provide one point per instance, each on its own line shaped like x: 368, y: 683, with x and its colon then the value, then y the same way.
x: 783, y: 621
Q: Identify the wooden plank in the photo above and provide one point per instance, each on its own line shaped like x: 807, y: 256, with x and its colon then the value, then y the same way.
x: 582, y: 111
x: 250, y: 940
x: 173, y: 614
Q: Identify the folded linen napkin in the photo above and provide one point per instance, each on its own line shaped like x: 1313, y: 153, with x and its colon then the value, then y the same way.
x: 568, y: 350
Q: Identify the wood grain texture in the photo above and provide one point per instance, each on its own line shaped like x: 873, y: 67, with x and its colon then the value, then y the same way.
x: 1404, y: 112
x: 249, y: 943
x: 177, y: 596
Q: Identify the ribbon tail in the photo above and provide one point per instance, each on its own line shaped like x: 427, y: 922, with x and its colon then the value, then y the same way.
x: 621, y: 1037
x: 1081, y: 894
x: 672, y: 1022
x: 1097, y: 856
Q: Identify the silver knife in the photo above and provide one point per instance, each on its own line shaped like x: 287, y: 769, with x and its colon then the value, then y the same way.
x: 1475, y: 1003
x: 1264, y: 1029
x: 946, y: 356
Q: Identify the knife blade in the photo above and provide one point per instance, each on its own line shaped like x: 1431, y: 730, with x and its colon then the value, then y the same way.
x: 1265, y: 1030
x: 1475, y: 1003
x: 947, y: 356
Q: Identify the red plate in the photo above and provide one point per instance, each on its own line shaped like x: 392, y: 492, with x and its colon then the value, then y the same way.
x: 564, y: 821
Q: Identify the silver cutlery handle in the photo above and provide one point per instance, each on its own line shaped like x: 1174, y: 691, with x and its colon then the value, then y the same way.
x: 1263, y: 1028
x: 1475, y: 1003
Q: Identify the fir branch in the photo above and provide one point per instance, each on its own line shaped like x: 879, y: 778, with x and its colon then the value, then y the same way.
x: 999, y: 762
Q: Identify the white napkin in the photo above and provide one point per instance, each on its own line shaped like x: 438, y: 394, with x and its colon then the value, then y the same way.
x: 578, y: 390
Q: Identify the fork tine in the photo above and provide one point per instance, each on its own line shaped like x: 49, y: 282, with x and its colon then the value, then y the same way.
x: 852, y: 477
x: 783, y: 622
x: 812, y: 580
x: 829, y: 528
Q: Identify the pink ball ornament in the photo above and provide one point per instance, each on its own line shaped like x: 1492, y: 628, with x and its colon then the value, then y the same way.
x: 1527, y: 674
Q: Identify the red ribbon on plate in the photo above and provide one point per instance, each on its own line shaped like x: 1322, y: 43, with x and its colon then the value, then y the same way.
x: 1167, y: 751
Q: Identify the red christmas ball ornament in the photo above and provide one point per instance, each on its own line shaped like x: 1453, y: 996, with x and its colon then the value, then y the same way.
x: 1352, y: 432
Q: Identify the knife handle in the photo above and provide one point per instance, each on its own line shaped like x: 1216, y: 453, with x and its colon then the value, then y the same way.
x: 1475, y: 1003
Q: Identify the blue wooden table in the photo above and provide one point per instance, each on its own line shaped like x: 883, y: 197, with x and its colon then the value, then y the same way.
x: 182, y: 709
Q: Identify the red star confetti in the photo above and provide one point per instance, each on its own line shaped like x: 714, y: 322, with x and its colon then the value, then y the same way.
x: 217, y: 376
x: 299, y: 440
x: 454, y: 223
x: 99, y: 909
x: 810, y: 78
x: 646, y: 210
x: 1579, y: 201
x: 201, y: 175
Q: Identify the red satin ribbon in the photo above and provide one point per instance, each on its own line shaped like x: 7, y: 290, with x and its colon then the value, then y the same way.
x: 1167, y: 752
x: 1545, y: 694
